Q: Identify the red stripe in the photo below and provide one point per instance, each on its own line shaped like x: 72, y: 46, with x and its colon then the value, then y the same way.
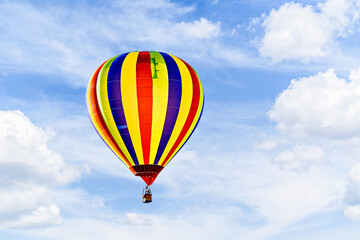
x: 98, y: 118
x: 193, y: 109
x: 144, y: 86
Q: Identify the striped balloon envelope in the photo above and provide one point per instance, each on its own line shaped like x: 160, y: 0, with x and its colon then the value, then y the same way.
x: 145, y: 106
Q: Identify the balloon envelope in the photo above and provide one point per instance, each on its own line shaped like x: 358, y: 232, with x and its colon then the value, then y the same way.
x: 145, y: 106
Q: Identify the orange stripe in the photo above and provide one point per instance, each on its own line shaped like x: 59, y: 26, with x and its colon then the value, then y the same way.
x: 98, y: 118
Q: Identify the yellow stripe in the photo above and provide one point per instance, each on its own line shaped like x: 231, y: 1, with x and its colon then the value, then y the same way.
x: 193, y: 124
x: 96, y: 124
x: 104, y: 105
x: 185, y: 104
x: 130, y: 103
x: 160, y: 101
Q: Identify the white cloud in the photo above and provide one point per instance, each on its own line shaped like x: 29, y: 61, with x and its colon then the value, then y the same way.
x: 141, y: 6
x: 133, y: 218
x: 298, y: 197
x: 10, y: 201
x: 29, y: 172
x: 300, y: 158
x: 292, y: 32
x: 25, y: 156
x: 267, y: 144
x: 319, y: 105
x: 322, y: 112
x: 355, y: 75
x: 303, y: 33
x: 352, y: 212
x: 352, y: 195
x: 190, y: 225
x: 198, y: 29
x: 41, y: 217
x: 76, y: 138
x: 72, y: 43
x: 244, y: 182
x: 250, y: 180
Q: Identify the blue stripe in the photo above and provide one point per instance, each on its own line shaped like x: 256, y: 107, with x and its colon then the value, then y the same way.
x: 174, y: 99
x: 116, y: 106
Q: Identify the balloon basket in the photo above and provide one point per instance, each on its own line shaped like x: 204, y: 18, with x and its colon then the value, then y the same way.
x: 147, y: 196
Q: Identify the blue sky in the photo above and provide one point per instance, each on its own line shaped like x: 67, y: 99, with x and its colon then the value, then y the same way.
x: 276, y: 153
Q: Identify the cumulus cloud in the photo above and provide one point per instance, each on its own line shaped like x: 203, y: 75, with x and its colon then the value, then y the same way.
x: 320, y: 105
x: 323, y: 110
x: 305, y: 32
x: 300, y: 158
x: 29, y: 172
x: 24, y: 155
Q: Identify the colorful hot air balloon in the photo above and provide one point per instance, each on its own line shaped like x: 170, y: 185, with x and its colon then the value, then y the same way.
x: 145, y: 106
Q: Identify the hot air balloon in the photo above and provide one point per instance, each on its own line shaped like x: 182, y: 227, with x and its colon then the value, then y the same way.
x: 145, y: 106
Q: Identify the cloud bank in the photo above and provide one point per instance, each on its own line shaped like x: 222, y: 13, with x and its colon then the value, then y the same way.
x: 298, y: 32
x: 322, y: 105
x: 29, y: 173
